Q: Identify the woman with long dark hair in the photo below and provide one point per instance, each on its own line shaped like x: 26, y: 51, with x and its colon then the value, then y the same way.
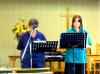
x: 80, y: 53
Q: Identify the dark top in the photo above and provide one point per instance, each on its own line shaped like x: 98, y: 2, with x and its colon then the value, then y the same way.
x: 36, y: 56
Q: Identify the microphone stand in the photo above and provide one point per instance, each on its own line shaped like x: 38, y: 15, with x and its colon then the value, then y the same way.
x: 23, y: 54
x: 74, y: 46
x: 84, y: 47
x: 74, y: 57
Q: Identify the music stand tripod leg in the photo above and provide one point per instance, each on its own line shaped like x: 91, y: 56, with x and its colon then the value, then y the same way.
x: 74, y: 60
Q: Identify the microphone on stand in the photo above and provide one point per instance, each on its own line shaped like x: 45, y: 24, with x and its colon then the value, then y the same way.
x: 34, y: 26
x: 26, y: 46
x: 84, y: 46
x: 82, y: 29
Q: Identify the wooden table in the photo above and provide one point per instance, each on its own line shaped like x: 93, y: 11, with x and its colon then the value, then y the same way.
x: 20, y: 70
x: 90, y: 59
x: 12, y: 60
x: 95, y: 67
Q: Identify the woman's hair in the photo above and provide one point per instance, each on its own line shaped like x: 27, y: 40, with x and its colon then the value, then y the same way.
x: 80, y: 20
x: 33, y: 22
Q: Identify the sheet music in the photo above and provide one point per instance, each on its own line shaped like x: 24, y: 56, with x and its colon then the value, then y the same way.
x: 39, y: 41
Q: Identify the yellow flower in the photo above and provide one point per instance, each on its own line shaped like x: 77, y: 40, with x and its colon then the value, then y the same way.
x: 24, y: 26
x: 17, y: 31
x: 27, y: 29
x: 23, y: 30
x: 20, y: 22
x: 20, y: 28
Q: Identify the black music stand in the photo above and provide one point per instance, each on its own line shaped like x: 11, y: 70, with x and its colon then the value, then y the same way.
x: 43, y: 46
x: 73, y: 40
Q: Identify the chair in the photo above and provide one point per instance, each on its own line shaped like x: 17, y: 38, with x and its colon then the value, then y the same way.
x: 96, y: 66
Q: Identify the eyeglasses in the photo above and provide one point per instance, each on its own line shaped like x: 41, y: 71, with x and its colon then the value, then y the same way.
x: 78, y: 21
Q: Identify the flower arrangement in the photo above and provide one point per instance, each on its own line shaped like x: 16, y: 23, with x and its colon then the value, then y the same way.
x: 20, y: 28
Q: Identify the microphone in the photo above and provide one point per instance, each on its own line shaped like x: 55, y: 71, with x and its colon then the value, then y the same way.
x: 35, y: 26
